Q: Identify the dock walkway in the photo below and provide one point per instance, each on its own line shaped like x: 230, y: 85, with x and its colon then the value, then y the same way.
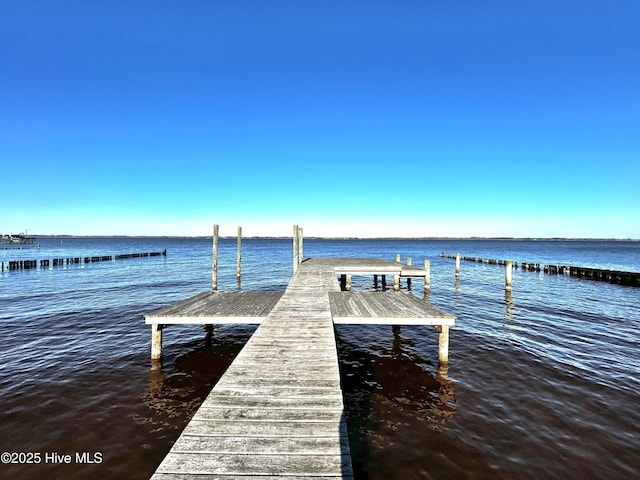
x: 278, y: 409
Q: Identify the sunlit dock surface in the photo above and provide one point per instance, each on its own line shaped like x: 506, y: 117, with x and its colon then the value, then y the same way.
x: 278, y: 409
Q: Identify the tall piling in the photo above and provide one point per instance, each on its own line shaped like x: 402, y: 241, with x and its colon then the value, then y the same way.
x: 508, y: 275
x: 296, y: 248
x: 214, y: 259
x: 239, y: 256
x: 427, y: 275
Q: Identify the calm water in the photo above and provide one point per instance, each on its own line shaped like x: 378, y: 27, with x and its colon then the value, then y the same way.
x: 544, y: 383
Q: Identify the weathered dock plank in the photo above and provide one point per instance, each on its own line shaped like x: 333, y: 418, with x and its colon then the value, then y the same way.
x: 271, y: 399
x: 307, y: 465
x: 245, y: 307
x: 329, y: 445
x: 385, y: 308
x: 278, y: 409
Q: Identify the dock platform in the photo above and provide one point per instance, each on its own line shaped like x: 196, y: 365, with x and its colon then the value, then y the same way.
x: 278, y: 409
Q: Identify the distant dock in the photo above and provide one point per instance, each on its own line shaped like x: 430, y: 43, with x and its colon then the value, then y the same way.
x: 278, y: 409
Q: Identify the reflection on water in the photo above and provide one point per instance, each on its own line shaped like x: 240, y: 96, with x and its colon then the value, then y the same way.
x: 177, y: 391
x: 510, y: 306
x: 388, y: 394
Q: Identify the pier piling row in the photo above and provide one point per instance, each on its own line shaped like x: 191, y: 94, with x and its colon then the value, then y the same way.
x: 278, y: 410
x: 59, y: 262
x: 618, y: 277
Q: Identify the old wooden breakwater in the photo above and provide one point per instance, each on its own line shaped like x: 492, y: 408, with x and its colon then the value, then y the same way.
x: 59, y: 262
x: 601, y: 274
x: 278, y: 409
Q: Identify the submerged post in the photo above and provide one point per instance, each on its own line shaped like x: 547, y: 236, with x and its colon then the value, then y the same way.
x: 214, y: 261
x: 239, y: 255
x: 296, y: 247
x: 458, y: 264
x: 508, y: 273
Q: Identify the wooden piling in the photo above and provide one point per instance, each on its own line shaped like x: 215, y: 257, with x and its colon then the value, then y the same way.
x: 508, y: 275
x: 214, y: 261
x: 427, y: 275
x: 296, y: 248
x: 156, y: 341
x: 239, y: 256
x: 443, y: 345
x: 398, y: 257
x: 604, y: 275
x: 300, y: 246
x: 348, y: 283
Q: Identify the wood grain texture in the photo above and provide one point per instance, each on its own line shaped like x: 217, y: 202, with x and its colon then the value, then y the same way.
x: 277, y: 412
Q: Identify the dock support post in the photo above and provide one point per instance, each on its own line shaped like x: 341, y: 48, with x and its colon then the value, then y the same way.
x: 427, y: 275
x: 409, y: 278
x: 239, y: 255
x: 214, y: 261
x: 296, y: 248
x: 398, y: 257
x: 348, y: 282
x: 375, y: 281
x: 508, y: 275
x: 156, y: 341
x: 396, y: 283
x: 384, y: 282
x: 457, y: 264
x: 300, y: 246
x: 443, y: 344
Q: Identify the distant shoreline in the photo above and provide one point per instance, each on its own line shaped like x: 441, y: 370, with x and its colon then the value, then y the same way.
x: 506, y: 239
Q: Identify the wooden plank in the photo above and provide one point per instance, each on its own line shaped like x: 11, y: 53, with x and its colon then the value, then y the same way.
x: 216, y: 400
x: 278, y: 409
x: 218, y: 307
x: 167, y: 476
x: 201, y: 463
x: 283, y: 414
x: 329, y: 445
x: 385, y: 308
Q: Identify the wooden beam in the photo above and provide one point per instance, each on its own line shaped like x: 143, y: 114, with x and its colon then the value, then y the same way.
x: 214, y: 261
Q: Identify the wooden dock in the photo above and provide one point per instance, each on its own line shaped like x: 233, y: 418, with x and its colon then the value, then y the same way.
x: 278, y: 410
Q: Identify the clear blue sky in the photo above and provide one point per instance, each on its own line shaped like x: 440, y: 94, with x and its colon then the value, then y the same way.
x: 363, y: 118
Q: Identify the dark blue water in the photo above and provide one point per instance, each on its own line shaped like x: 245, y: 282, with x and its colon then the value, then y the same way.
x: 542, y: 383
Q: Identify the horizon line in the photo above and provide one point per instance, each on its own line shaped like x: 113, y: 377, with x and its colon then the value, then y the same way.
x: 276, y: 237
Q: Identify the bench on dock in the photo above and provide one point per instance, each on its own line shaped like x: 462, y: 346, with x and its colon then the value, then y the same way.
x: 278, y: 409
